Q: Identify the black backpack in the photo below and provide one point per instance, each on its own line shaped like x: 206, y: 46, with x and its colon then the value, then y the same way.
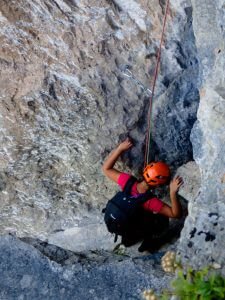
x: 121, y: 210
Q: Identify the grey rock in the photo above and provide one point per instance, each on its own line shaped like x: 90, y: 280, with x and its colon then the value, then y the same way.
x: 202, y: 241
x: 66, y: 103
x: 93, y: 236
x: 33, y: 276
x: 192, y: 181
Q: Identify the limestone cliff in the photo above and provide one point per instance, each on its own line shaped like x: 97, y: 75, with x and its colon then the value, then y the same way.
x: 203, y: 238
x: 74, y: 81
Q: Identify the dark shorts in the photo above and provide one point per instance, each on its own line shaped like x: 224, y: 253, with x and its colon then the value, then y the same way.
x: 145, y: 226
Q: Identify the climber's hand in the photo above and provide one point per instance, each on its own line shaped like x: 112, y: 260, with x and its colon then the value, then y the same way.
x: 175, y: 184
x: 125, y: 145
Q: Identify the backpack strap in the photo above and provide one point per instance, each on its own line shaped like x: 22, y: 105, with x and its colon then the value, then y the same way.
x: 140, y: 199
x: 128, y: 186
x: 115, y: 238
x: 144, y: 197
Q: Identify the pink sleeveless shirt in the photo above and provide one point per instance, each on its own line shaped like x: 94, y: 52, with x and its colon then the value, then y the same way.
x: 153, y: 204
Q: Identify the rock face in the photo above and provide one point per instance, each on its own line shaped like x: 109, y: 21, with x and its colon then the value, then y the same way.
x: 33, y: 276
x: 203, y: 239
x: 74, y: 80
x: 192, y: 181
x: 75, y: 76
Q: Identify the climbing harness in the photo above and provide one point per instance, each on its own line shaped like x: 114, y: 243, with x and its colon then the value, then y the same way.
x: 153, y: 88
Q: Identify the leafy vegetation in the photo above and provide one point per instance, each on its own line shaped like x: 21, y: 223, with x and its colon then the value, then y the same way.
x: 203, y: 284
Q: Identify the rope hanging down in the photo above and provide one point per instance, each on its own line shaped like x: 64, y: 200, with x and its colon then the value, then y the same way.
x: 153, y: 88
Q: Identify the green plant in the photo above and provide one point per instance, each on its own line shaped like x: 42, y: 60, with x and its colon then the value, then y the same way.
x: 203, y: 284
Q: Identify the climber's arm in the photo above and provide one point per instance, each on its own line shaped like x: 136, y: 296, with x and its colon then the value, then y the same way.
x: 108, y: 166
x: 175, y: 211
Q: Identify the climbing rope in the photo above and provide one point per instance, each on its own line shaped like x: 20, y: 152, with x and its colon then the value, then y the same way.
x: 148, y: 136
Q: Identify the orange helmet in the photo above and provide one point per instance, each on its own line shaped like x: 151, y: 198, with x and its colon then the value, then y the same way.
x: 156, y: 173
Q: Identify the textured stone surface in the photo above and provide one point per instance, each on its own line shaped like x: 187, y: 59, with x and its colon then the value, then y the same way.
x: 192, y: 181
x: 203, y: 239
x: 92, y: 236
x: 66, y: 100
x: 33, y: 276
x: 74, y: 81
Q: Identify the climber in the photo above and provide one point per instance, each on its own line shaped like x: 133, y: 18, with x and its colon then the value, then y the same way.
x: 155, y: 174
